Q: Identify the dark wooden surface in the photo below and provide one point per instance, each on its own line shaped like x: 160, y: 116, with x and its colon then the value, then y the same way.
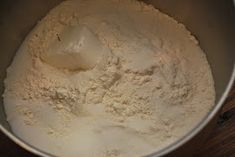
x: 221, y: 142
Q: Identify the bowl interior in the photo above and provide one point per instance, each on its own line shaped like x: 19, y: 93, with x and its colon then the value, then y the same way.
x: 211, y: 21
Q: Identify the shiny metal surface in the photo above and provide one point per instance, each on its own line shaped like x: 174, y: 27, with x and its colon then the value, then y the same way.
x: 211, y: 21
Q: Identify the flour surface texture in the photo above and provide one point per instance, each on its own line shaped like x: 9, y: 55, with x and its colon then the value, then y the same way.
x: 146, y: 84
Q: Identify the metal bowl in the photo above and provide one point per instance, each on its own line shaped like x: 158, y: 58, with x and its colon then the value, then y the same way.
x: 211, y: 21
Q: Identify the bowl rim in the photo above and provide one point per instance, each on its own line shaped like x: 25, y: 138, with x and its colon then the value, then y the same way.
x: 178, y: 143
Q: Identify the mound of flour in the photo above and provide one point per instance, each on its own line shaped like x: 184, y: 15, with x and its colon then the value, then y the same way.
x: 152, y: 87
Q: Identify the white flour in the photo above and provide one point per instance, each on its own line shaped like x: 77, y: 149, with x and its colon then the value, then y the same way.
x: 150, y: 90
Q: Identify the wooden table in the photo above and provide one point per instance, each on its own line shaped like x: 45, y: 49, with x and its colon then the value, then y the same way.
x: 221, y: 143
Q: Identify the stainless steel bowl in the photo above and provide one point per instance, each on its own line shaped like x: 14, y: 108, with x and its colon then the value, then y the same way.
x: 211, y: 21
